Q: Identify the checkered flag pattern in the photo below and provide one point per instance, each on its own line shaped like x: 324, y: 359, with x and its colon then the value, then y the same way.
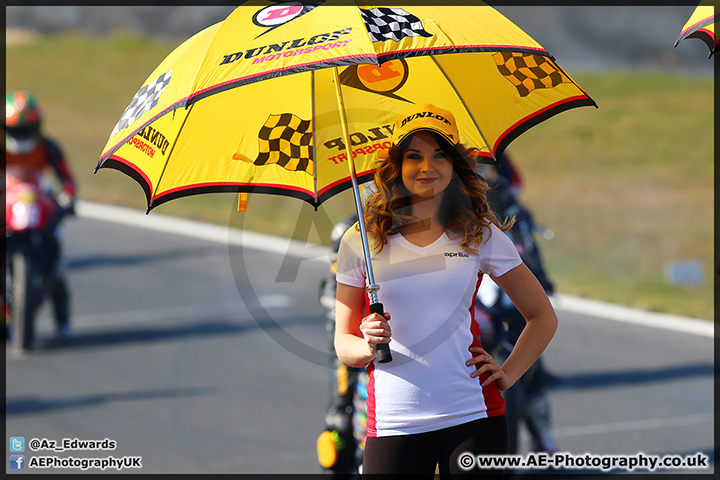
x: 385, y: 24
x: 528, y: 72
x: 286, y: 140
x: 145, y: 99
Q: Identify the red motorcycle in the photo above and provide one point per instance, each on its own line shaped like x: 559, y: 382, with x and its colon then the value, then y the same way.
x: 31, y: 218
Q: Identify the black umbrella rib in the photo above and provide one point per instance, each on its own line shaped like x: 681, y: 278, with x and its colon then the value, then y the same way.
x: 690, y: 31
x: 264, y: 189
x: 341, y: 187
x: 230, y: 188
x: 109, y: 153
x: 384, y: 57
x: 116, y: 163
x: 167, y: 160
x: 475, y: 122
x: 531, y: 122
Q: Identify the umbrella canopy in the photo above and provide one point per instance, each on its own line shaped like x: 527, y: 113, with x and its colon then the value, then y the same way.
x: 249, y: 104
x: 701, y: 25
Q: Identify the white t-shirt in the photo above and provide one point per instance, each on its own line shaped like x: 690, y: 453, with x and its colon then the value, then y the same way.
x: 430, y: 293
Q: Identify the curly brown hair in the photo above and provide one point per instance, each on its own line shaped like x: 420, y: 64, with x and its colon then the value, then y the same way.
x: 464, y: 210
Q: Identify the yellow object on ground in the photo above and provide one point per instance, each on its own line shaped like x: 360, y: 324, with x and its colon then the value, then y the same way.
x: 327, y: 450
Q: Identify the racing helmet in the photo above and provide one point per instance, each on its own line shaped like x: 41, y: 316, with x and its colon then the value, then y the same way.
x: 22, y: 122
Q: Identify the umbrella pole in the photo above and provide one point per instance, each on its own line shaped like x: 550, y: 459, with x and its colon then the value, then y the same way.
x: 372, y: 288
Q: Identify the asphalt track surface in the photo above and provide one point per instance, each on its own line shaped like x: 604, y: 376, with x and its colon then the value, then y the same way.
x: 209, y: 356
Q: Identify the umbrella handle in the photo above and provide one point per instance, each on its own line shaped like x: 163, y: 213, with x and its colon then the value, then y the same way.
x: 383, y: 349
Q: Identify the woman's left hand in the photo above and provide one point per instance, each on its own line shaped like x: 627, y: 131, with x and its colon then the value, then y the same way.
x: 486, y: 363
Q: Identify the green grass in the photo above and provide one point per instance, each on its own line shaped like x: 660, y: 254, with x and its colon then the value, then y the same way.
x: 626, y: 188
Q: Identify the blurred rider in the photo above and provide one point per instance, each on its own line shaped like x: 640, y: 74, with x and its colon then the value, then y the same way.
x: 28, y: 155
x: 507, y: 170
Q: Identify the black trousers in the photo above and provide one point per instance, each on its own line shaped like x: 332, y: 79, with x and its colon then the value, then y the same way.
x: 418, y: 455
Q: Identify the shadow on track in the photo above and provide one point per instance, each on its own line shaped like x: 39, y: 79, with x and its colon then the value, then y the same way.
x: 34, y: 405
x: 631, y: 377
x: 202, y: 328
x: 104, y: 260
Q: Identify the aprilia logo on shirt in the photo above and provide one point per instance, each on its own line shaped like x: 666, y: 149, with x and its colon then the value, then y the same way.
x: 457, y: 254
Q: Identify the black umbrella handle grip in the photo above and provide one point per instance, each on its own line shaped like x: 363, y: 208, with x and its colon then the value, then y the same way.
x: 383, y: 349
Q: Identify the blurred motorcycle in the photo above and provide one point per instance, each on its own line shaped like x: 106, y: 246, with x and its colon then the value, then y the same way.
x: 501, y: 324
x: 31, y: 219
x: 340, y: 446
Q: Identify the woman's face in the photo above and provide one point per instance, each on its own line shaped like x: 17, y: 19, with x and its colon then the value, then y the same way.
x: 426, y: 170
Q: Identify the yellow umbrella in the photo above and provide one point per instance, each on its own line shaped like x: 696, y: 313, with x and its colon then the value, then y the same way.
x: 701, y: 25
x: 279, y: 97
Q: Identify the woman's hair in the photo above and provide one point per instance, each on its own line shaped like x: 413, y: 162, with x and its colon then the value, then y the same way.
x: 464, y: 210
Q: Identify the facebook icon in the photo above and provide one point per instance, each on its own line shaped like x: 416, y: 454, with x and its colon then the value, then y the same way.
x: 17, y: 462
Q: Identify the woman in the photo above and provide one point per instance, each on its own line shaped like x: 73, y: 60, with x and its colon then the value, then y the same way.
x: 433, y: 237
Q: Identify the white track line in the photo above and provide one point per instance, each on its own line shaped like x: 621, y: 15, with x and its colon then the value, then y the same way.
x: 202, y: 230
x: 628, y: 426
x: 584, y: 306
x: 268, y: 243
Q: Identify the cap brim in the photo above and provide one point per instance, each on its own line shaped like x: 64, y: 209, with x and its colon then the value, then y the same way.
x: 400, y: 139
